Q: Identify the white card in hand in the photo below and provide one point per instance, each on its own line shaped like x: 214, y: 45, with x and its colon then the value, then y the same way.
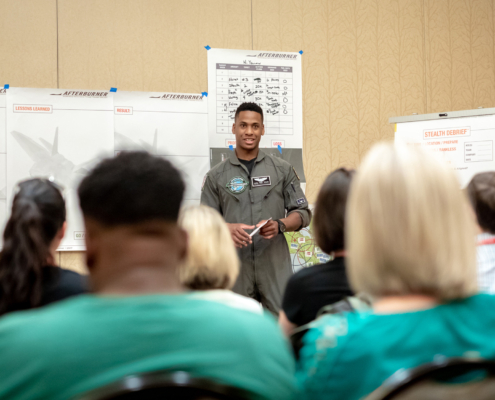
x: 259, y: 227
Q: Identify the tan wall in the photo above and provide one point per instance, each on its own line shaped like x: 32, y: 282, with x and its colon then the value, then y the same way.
x: 364, y: 60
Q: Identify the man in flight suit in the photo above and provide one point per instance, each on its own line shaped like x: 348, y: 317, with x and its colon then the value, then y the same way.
x: 247, y: 189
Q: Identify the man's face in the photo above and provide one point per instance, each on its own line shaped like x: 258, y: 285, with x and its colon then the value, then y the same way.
x: 248, y: 130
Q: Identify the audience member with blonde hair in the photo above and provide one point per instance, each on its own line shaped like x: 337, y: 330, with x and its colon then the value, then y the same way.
x: 410, y: 243
x: 212, y: 264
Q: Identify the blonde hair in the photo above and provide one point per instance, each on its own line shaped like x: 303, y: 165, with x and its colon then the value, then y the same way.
x: 409, y: 230
x: 212, y: 261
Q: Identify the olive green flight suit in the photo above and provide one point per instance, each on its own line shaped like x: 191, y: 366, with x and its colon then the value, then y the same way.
x: 265, y: 264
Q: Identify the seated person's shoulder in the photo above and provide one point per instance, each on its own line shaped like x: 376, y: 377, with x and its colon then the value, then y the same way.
x: 280, y: 163
x: 305, y: 274
x: 74, y: 281
x: 27, y: 329
x: 241, y: 326
x: 223, y: 315
x: 338, y: 330
x: 60, y: 283
x: 304, y: 279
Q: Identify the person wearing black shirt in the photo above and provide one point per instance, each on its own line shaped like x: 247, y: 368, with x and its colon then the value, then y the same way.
x: 28, y: 276
x: 312, y: 288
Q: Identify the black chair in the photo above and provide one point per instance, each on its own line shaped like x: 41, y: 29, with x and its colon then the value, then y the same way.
x: 165, y: 385
x: 439, y: 381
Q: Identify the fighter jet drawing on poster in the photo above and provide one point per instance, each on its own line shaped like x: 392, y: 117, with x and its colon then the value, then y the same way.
x: 48, y: 162
x: 124, y: 143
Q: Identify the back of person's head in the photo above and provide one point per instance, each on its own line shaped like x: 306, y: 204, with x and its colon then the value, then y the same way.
x: 409, y: 229
x: 328, y: 225
x: 38, y: 215
x: 131, y: 188
x: 130, y: 204
x: 481, y: 193
x: 212, y: 261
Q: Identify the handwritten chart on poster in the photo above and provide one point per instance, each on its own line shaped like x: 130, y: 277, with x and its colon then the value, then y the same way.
x: 170, y: 125
x: 466, y: 144
x: 58, y: 134
x: 270, y: 79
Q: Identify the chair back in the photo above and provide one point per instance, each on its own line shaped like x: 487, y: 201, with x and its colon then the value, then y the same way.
x: 441, y: 380
x: 165, y: 385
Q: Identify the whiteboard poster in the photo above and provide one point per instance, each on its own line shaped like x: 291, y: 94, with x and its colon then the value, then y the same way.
x: 466, y: 144
x: 170, y: 125
x: 58, y: 134
x: 273, y: 80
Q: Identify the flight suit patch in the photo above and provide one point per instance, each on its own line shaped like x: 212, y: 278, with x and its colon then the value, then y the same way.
x: 203, y: 184
x: 258, y: 181
x: 237, y: 185
x: 300, y: 201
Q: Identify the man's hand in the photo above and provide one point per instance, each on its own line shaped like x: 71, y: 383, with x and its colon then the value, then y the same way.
x: 269, y: 230
x: 240, y: 237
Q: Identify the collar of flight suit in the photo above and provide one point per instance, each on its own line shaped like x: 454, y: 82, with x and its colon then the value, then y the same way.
x: 235, y: 161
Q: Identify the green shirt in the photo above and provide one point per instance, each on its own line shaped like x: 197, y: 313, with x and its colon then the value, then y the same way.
x: 348, y: 356
x: 83, y: 343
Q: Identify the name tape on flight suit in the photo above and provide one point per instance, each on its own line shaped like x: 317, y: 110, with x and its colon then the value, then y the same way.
x: 257, y: 181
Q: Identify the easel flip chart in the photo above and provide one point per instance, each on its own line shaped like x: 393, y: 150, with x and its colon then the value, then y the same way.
x: 464, y: 139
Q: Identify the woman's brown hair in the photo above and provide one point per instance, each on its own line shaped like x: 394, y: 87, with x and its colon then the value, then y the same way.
x: 329, y: 219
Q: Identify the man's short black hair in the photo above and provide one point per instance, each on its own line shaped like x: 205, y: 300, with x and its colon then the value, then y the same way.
x: 249, y: 107
x: 481, y: 194
x: 330, y: 209
x: 130, y: 188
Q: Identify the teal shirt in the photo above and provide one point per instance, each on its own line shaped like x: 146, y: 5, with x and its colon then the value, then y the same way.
x: 348, y: 356
x: 83, y: 343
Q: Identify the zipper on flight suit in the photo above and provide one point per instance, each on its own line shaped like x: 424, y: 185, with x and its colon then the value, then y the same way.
x: 251, y: 197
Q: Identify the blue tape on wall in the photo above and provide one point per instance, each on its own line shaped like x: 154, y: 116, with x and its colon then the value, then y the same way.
x: 280, y: 149
x: 6, y: 86
x: 231, y: 147
x: 204, y: 94
x: 300, y: 51
x: 207, y: 47
x: 113, y: 89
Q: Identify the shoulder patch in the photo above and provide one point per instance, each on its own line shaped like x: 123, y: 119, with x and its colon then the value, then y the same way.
x: 296, y: 174
x: 300, y: 201
x: 203, y: 184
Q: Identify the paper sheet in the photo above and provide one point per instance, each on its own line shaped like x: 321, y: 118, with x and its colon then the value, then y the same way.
x: 270, y: 79
x: 60, y: 134
x: 171, y: 125
x: 466, y: 144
